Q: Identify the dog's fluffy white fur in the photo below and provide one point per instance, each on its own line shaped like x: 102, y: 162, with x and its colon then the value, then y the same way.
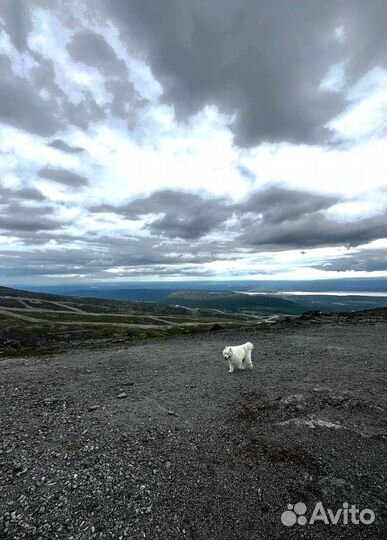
x: 238, y: 356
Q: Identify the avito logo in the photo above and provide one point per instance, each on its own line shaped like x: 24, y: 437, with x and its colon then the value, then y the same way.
x: 347, y: 514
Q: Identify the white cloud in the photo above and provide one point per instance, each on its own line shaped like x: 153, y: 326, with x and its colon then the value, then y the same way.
x: 334, y: 81
x: 346, y: 171
x: 358, y: 209
x: 49, y: 38
x: 365, y: 117
x: 10, y: 181
x: 340, y: 33
x: 21, y: 64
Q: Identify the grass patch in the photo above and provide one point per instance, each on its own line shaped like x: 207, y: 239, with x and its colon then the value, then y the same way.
x: 24, y: 338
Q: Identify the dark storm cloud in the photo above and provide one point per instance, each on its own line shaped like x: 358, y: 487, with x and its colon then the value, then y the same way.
x: 21, y: 105
x: 287, y: 219
x: 277, y: 218
x: 63, y: 109
x: 278, y: 204
x: 96, y: 256
x: 63, y: 177
x: 314, y: 230
x: 92, y: 49
x: 16, y: 217
x: 99, y: 253
x: 29, y: 194
x: 190, y: 216
x: 368, y: 260
x: 182, y: 226
x: 262, y: 59
x: 17, y: 21
x: 24, y: 223
x: 149, y: 256
x: 185, y: 216
x: 62, y: 145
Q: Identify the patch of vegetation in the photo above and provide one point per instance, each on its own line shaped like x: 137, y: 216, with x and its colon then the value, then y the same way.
x: 92, y: 304
x: 19, y: 337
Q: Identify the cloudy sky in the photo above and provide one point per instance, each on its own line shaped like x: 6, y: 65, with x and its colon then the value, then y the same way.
x: 187, y: 139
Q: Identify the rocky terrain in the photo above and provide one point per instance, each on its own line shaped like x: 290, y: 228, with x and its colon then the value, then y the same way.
x: 156, y: 440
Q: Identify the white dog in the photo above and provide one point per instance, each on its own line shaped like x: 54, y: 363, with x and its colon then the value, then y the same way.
x: 238, y: 356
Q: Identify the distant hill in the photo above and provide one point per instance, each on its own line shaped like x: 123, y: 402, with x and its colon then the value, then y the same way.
x: 234, y: 302
x: 159, y: 289
x: 36, y: 323
x: 281, y: 304
x: 139, y: 294
x: 33, y: 322
x: 95, y: 300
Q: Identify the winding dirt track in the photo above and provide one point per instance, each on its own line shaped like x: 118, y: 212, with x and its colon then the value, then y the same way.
x: 23, y: 314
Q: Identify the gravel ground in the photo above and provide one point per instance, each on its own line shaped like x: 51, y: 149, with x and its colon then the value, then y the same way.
x: 158, y: 441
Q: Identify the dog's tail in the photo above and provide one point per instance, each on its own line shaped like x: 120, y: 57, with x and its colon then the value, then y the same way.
x: 249, y: 346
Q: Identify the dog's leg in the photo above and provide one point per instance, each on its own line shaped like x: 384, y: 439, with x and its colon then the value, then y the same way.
x: 249, y: 363
x: 231, y: 367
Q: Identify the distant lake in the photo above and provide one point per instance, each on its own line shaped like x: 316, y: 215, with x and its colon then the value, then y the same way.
x: 316, y: 293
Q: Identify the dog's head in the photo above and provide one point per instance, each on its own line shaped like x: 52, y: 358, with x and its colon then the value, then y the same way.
x: 227, y: 353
